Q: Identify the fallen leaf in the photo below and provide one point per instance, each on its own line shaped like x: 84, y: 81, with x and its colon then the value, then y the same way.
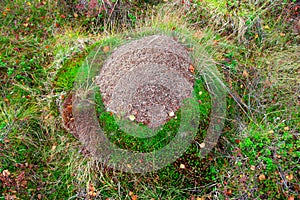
x: 69, y: 108
x: 93, y: 194
x: 277, y: 156
x: 216, y: 42
x: 291, y: 197
x: 262, y: 177
x: 245, y: 73
x: 229, y: 192
x: 106, y: 49
x: 134, y: 197
x: 24, y: 183
x: 289, y: 177
x: 182, y: 166
x: 282, y: 34
x: 130, y: 193
x: 5, y: 173
x: 192, y: 68
x: 252, y: 167
x: 286, y: 128
x: 91, y: 187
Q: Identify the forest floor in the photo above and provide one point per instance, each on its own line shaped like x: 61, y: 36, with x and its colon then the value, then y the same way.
x: 255, y: 45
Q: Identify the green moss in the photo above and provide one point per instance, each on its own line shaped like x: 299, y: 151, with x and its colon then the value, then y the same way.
x: 67, y: 75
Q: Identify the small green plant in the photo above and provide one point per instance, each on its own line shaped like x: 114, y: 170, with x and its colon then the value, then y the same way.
x: 132, y: 18
x: 230, y: 62
x: 2, y: 63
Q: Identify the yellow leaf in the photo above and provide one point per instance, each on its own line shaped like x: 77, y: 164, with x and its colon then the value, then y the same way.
x: 282, y: 34
x: 28, y: 3
x: 182, y: 166
x: 266, y: 27
x: 289, y: 177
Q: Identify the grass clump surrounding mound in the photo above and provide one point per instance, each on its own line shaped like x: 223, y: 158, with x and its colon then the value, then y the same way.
x: 255, y: 46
